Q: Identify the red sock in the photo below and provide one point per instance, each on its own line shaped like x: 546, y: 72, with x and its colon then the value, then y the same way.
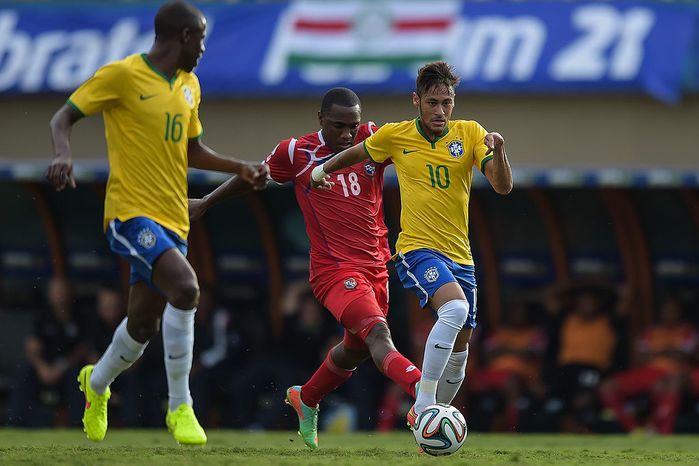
x: 403, y: 372
x: 327, y: 378
x: 613, y: 401
x: 667, y: 405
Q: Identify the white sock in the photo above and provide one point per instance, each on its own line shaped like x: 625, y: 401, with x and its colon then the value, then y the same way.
x: 121, y: 353
x: 438, y: 348
x: 452, y: 377
x: 178, y: 343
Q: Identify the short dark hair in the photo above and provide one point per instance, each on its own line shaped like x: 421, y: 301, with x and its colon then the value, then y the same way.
x: 340, y: 96
x: 435, y: 74
x: 173, y: 17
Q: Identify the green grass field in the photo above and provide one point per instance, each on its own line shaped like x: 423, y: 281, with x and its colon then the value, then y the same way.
x: 153, y: 447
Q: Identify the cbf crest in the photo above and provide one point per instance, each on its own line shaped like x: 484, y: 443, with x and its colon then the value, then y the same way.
x: 146, y: 238
x: 456, y: 148
x: 431, y: 274
x: 188, y: 96
x: 369, y: 169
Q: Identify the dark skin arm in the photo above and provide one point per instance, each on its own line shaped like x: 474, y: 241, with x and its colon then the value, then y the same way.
x: 203, y: 157
x: 234, y: 186
x: 60, y: 171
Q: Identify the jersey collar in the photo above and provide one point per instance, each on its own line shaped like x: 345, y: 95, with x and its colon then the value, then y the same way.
x: 431, y: 141
x: 320, y: 137
x: 170, y: 81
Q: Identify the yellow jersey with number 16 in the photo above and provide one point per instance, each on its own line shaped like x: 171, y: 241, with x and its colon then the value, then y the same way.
x: 149, y: 120
x: 435, y: 182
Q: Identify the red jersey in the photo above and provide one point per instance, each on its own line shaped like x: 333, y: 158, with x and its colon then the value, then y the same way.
x: 345, y: 224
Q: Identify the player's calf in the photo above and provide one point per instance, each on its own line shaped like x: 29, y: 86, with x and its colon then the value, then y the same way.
x: 390, y: 362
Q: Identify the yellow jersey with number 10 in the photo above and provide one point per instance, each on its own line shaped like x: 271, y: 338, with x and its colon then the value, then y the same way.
x: 148, y: 121
x: 435, y: 182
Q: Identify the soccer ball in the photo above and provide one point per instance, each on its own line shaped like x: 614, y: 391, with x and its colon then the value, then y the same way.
x: 440, y: 429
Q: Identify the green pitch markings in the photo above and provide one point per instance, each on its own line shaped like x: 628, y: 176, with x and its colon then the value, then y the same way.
x: 156, y: 447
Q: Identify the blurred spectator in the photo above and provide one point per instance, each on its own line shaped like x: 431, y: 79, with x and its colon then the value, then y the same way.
x: 218, y: 359
x: 587, y: 345
x: 54, y: 355
x: 109, y: 312
x: 513, y: 360
x: 309, y: 332
x: 664, y: 355
x: 103, y: 320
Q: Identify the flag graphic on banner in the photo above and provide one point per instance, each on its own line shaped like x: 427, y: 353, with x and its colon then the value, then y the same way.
x: 360, y: 42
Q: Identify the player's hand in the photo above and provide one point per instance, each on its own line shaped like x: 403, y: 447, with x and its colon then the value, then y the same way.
x: 60, y: 172
x: 325, y: 183
x: 263, y: 176
x: 495, y: 143
x: 249, y: 173
x: 197, y: 208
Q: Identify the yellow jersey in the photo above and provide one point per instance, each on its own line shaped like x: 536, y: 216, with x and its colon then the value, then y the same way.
x: 148, y: 121
x: 435, y: 182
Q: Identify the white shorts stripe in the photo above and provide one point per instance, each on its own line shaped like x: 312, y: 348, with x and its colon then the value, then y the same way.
x: 126, y: 243
x: 410, y: 274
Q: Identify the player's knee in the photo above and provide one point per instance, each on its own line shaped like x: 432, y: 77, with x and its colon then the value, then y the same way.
x: 379, y: 336
x: 185, y: 295
x: 380, y: 343
x: 348, y: 358
x: 143, y: 330
x: 454, y: 313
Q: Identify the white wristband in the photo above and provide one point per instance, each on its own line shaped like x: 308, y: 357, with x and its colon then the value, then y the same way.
x: 318, y: 173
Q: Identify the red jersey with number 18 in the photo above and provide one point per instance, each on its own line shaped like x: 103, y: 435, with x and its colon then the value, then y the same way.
x: 345, y: 224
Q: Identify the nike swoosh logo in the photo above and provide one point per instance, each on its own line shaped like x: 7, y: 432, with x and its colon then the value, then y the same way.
x: 441, y: 347
x: 124, y: 359
x: 454, y: 382
x: 146, y: 97
x: 169, y: 356
x: 410, y: 151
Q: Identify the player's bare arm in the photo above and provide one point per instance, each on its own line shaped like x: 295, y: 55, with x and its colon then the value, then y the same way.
x: 497, y: 169
x: 344, y: 159
x: 205, y: 158
x: 234, y: 186
x: 60, y: 170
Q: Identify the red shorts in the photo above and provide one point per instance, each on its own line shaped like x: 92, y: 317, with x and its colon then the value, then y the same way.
x: 633, y: 382
x: 358, y: 299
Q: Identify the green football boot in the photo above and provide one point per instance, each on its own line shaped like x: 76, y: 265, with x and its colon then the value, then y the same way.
x: 308, y: 417
x: 183, y: 425
x: 95, y: 416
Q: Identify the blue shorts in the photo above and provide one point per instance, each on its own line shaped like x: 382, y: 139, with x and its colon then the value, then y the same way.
x: 424, y: 271
x: 141, y: 241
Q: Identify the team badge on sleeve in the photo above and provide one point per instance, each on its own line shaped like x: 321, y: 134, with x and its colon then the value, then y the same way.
x: 350, y: 284
x: 431, y: 274
x: 146, y: 238
x: 456, y: 148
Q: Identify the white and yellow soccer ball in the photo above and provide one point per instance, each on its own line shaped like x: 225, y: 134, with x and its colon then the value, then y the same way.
x: 440, y: 430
